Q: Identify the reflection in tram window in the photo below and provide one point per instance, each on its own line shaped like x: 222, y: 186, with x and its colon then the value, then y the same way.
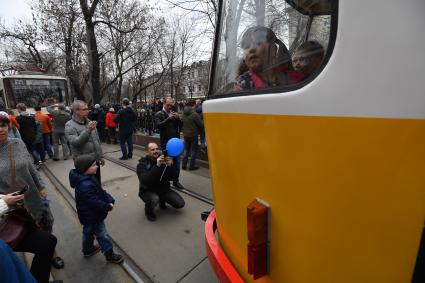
x: 267, y: 60
x: 255, y: 41
x: 307, y: 58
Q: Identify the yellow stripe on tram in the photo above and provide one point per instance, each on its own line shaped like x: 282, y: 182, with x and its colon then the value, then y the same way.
x: 346, y: 194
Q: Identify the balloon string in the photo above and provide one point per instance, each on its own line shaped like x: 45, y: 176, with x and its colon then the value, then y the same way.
x: 160, y: 179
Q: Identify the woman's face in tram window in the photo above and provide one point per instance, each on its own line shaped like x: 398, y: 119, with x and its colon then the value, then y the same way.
x: 4, y: 132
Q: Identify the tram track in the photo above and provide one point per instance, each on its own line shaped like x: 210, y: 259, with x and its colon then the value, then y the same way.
x: 129, y: 265
x: 185, y: 191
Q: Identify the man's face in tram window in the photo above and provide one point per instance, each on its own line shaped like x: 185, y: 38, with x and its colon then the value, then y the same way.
x: 153, y: 151
x: 82, y: 112
x: 168, y: 105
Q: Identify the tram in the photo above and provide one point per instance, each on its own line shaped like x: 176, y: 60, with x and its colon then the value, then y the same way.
x: 33, y: 90
x: 320, y: 179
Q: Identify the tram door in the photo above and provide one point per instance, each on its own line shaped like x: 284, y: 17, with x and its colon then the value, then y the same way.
x: 335, y: 148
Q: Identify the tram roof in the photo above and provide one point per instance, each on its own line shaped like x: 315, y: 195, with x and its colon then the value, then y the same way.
x: 33, y: 76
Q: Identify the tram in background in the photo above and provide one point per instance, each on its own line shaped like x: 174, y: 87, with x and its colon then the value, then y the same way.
x: 319, y: 180
x: 33, y: 90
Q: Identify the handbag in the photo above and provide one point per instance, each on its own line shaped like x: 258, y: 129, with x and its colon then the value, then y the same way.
x: 14, y: 224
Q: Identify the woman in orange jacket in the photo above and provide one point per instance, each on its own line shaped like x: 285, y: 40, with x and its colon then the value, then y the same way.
x: 110, y: 126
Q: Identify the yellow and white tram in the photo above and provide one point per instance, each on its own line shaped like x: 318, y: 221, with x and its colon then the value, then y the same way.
x: 337, y: 160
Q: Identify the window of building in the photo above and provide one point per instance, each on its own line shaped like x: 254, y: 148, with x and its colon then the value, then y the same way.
x: 270, y: 46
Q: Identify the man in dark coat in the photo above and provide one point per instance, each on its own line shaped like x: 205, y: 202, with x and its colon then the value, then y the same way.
x: 155, y: 173
x: 126, y: 119
x: 169, y: 124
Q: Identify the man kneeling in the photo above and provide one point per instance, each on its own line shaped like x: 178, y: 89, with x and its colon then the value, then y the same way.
x: 155, y: 173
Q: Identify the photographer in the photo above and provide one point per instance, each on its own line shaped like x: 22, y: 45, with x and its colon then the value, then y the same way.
x: 155, y: 172
x: 169, y: 123
x: 82, y: 135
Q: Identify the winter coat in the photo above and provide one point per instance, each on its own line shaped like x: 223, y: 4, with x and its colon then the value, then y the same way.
x: 168, y: 128
x: 13, y: 269
x: 46, y: 123
x: 13, y: 132
x: 93, y: 202
x: 27, y: 127
x: 126, y: 119
x: 192, y: 123
x: 83, y: 142
x: 60, y: 118
x: 97, y: 115
x: 109, y: 121
x: 149, y: 176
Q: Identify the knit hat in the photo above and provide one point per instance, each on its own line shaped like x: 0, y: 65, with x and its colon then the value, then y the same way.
x: 111, y: 109
x: 97, y: 106
x: 83, y: 162
x: 4, y: 117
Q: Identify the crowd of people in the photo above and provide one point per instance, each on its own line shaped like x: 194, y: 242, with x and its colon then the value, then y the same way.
x: 27, y: 140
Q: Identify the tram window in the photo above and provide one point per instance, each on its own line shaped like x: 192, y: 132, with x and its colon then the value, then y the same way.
x: 258, y: 40
x: 33, y: 92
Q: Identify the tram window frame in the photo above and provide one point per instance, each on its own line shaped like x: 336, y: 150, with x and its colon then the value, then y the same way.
x: 280, y: 89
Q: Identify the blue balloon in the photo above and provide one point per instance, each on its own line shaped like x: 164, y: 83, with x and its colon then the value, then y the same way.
x: 174, y: 147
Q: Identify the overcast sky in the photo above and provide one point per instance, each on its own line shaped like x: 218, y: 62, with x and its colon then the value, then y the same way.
x: 14, y: 9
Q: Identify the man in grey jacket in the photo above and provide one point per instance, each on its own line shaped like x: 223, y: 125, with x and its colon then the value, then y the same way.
x: 60, y: 118
x: 82, y: 134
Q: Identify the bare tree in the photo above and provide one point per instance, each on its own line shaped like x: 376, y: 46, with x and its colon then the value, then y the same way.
x: 61, y: 24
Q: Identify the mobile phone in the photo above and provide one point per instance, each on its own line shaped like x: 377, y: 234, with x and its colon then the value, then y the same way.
x: 165, y: 153
x: 22, y: 191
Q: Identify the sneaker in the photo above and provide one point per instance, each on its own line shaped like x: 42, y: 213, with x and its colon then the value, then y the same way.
x: 193, y: 168
x: 57, y: 262
x: 38, y: 165
x: 114, y: 258
x: 94, y: 251
x: 178, y: 185
x: 55, y: 159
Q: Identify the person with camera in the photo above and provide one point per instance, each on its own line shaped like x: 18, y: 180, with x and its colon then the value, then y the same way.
x: 82, y: 134
x: 169, y: 123
x: 155, y: 172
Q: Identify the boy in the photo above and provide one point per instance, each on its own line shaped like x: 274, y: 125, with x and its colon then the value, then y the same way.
x: 308, y: 57
x: 93, y: 204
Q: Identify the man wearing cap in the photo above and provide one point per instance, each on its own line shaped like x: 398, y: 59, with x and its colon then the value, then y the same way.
x: 82, y: 135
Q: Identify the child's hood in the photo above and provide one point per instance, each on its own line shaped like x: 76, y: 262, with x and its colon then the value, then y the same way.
x: 75, y: 178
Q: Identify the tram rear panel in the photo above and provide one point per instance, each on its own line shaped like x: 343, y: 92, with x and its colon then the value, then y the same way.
x: 337, y: 156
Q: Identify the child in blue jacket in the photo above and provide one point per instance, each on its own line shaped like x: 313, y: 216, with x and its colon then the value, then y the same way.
x: 93, y: 204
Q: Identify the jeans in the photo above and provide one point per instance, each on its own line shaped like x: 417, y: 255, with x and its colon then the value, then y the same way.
x: 152, y: 199
x: 47, y: 145
x: 111, y: 135
x: 190, y: 146
x: 126, y: 138
x: 42, y: 245
x: 98, y: 230
x: 37, y: 152
x: 65, y: 149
